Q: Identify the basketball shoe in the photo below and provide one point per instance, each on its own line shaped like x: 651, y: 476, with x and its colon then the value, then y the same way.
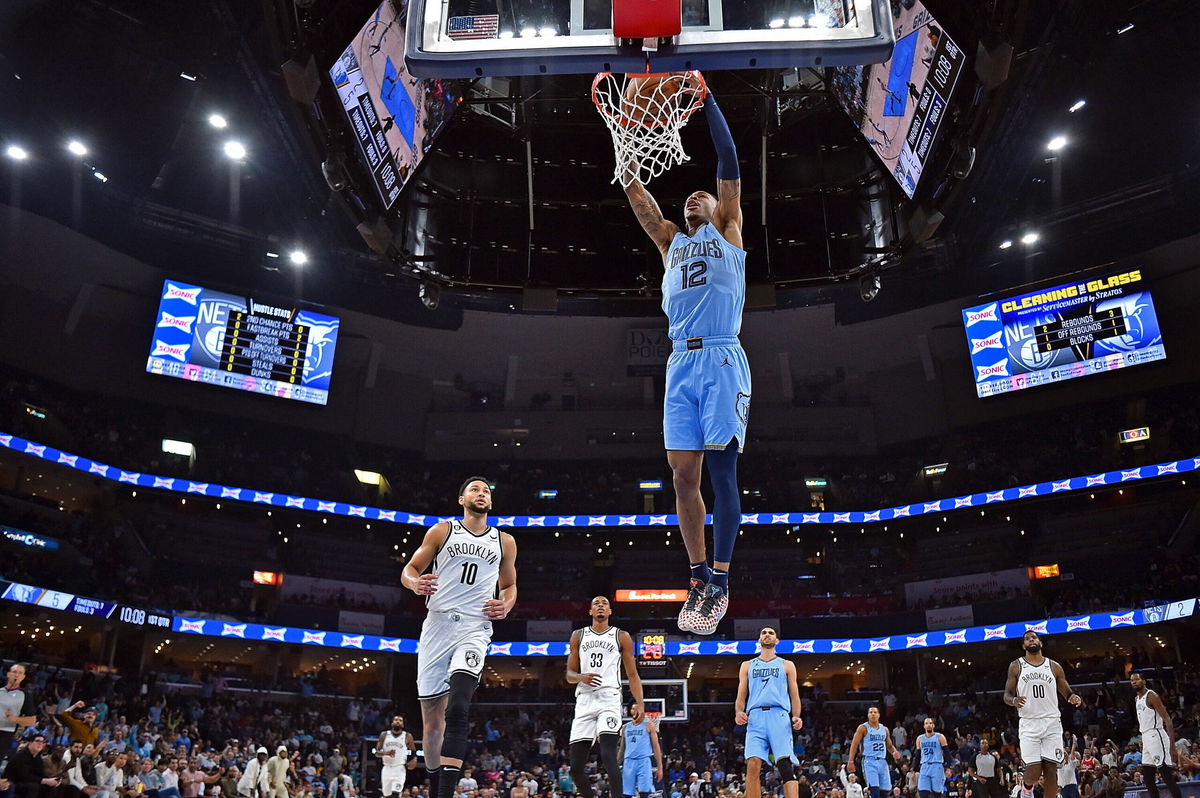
x: 713, y: 605
x: 687, y: 615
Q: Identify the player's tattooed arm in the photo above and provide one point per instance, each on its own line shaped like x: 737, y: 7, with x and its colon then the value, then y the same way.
x: 650, y: 216
x: 1064, y: 688
x: 728, y: 217
x: 1010, y: 687
x: 413, y: 576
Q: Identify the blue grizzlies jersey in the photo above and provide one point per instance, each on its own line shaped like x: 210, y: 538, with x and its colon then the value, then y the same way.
x: 637, y: 740
x: 931, y: 749
x: 768, y: 685
x: 704, y: 285
x: 875, y: 745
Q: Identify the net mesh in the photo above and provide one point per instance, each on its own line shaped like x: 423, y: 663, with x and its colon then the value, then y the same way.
x: 644, y: 115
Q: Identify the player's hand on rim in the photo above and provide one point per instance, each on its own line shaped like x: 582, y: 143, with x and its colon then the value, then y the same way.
x: 494, y: 609
x: 426, y: 585
x: 742, y: 718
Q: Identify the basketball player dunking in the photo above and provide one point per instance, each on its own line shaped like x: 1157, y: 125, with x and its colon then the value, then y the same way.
x: 1033, y: 687
x: 594, y: 667
x: 394, y: 748
x: 707, y: 402
x: 471, y: 581
x: 1158, y: 738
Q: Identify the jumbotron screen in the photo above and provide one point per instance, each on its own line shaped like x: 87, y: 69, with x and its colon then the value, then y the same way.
x: 395, y: 116
x: 240, y: 342
x: 1060, y: 333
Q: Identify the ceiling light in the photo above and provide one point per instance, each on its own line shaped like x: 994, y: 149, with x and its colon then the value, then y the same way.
x: 1057, y: 143
x: 775, y: 23
x: 528, y: 32
x: 506, y: 34
x: 548, y: 32
x: 235, y: 150
x: 796, y: 22
x: 187, y: 76
x: 218, y: 121
x: 1029, y: 238
x: 16, y: 152
x: 298, y: 257
x: 1006, y: 243
x: 368, y: 477
x: 181, y: 448
x: 103, y: 178
x: 77, y: 147
x: 1078, y: 104
x: 1125, y: 28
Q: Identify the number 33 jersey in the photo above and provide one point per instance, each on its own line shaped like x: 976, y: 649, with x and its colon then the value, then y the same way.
x: 468, y: 570
x: 704, y: 285
x: 600, y: 653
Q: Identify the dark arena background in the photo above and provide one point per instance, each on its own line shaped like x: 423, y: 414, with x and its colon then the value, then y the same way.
x: 269, y: 292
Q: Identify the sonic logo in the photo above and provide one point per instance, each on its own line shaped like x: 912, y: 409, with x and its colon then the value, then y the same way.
x: 197, y: 487
x: 67, y: 459
x: 231, y: 493
x: 659, y: 520
x: 361, y: 512
x: 233, y: 630
x: 500, y: 649
x: 1168, y: 468
x: 997, y: 633
x: 506, y: 520
x: 1063, y: 485
x: 957, y: 637
x: 914, y: 641
x: 1079, y: 623
x: 419, y: 520
x: 995, y: 370
x: 1028, y: 490
x: 98, y: 468
x: 317, y: 638
x: 962, y: 501
x: 998, y: 496
x: 1096, y: 479
x: 537, y: 520
x: 932, y: 507
x: 596, y: 520
x: 841, y: 518
x: 273, y: 634
x: 991, y: 342
x: 985, y: 313
x: 780, y: 518
x: 569, y: 520
x: 1135, y: 473
x: 810, y: 518
x: 539, y: 649
x: 389, y: 645
x: 352, y: 641
x: 871, y: 516
x: 177, y: 322
x: 727, y: 648
x: 900, y: 512
x: 178, y: 352
x: 1124, y: 619
x: 185, y: 293
x: 689, y: 648
x: 627, y: 520
x: 164, y: 482
x: 881, y: 645
x: 128, y: 477
x: 803, y: 646
x: 191, y: 626
x: 294, y: 501
x: 750, y: 518
x: 840, y: 645
x: 1039, y: 627
x: 387, y: 515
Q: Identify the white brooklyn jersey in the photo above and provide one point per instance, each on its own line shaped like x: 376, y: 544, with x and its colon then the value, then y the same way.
x: 600, y: 653
x: 397, y: 745
x: 1038, y: 686
x: 1148, y: 718
x: 468, y: 570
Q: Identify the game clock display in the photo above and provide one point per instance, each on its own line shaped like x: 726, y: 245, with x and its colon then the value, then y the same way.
x: 1063, y: 332
x: 242, y: 343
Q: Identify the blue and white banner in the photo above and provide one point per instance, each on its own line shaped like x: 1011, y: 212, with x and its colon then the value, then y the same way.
x: 23, y: 538
x: 249, y: 495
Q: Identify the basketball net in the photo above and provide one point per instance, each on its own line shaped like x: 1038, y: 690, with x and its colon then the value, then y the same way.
x: 645, y: 119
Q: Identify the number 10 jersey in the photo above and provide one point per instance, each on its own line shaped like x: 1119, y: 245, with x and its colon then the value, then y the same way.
x: 468, y: 570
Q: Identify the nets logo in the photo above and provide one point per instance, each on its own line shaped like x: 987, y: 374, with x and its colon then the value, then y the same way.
x: 473, y: 659
x: 991, y: 342
x: 995, y: 370
x: 986, y: 313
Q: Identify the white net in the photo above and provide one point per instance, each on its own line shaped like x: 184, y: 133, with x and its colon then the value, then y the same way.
x: 645, y: 114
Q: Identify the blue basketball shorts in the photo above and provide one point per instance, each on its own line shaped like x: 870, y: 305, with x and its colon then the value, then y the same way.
x: 932, y: 777
x: 769, y: 733
x: 707, y: 403
x: 877, y: 773
x: 637, y: 775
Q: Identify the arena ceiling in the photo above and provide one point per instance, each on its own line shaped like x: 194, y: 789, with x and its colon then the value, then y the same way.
x: 136, y: 81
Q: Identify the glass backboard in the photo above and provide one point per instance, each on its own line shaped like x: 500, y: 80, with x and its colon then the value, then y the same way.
x: 453, y: 39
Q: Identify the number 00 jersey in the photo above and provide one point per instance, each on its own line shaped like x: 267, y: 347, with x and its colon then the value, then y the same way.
x: 600, y: 653
x: 1038, y: 686
x: 468, y: 570
x: 704, y: 285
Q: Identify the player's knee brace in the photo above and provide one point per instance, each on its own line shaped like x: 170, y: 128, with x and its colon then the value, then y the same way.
x: 786, y: 771
x: 462, y: 687
x: 579, y: 757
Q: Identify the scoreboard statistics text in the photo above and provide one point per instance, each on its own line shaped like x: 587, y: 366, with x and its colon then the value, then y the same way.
x: 240, y: 342
x: 1063, y: 332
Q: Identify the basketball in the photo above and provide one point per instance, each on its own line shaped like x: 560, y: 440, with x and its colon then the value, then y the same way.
x: 653, y: 100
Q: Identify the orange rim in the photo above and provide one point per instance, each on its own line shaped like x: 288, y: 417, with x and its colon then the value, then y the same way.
x: 623, y: 122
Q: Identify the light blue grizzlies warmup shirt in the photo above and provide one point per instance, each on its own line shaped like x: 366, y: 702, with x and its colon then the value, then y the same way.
x: 704, y: 285
x: 707, y: 399
x: 769, y: 705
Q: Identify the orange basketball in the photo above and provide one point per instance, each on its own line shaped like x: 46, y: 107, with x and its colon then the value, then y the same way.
x: 653, y: 100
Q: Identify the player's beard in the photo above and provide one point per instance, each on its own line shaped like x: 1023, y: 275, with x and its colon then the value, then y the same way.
x: 1036, y: 648
x: 397, y: 729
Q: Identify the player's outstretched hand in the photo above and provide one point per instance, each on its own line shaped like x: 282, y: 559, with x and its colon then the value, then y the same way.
x: 494, y: 609
x: 426, y: 585
x: 741, y: 718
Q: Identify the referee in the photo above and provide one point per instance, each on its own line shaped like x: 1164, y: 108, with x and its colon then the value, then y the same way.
x: 985, y: 772
x: 16, y: 709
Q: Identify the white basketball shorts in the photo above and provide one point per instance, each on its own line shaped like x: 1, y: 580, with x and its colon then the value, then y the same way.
x: 449, y: 644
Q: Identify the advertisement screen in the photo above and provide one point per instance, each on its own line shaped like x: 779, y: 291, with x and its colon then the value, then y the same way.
x: 1059, y: 333
x: 240, y: 342
x: 899, y: 105
x: 395, y: 116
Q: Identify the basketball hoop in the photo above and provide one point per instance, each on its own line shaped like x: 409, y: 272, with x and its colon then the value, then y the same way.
x: 645, y: 114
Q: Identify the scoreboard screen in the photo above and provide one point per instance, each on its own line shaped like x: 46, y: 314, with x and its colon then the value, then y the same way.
x: 1063, y: 332
x: 239, y: 342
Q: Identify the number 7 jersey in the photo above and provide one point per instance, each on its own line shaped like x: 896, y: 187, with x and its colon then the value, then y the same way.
x: 468, y: 570
x: 704, y: 285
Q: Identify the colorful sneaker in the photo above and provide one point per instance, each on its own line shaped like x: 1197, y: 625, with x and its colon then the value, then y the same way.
x: 687, y: 615
x: 711, y: 610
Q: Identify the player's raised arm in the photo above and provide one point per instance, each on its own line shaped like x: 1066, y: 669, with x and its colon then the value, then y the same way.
x: 859, y: 733
x: 650, y: 216
x: 498, y: 608
x: 411, y: 577
x: 1064, y: 689
x: 1010, y: 687
x: 743, y: 695
x: 728, y: 217
x: 625, y: 641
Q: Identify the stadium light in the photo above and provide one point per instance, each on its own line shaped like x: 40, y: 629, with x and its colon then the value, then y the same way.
x: 1057, y: 143
x: 16, y: 152
x: 548, y: 32
x: 1078, y: 104
x: 103, y: 178
x: 368, y: 477
x: 1006, y: 243
x: 181, y: 448
x: 506, y: 34
x: 235, y: 150
x: 298, y: 257
x: 218, y: 121
x: 77, y: 147
x: 1125, y: 28
x: 796, y: 22
x: 528, y: 33
x: 775, y: 23
x: 1029, y: 238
